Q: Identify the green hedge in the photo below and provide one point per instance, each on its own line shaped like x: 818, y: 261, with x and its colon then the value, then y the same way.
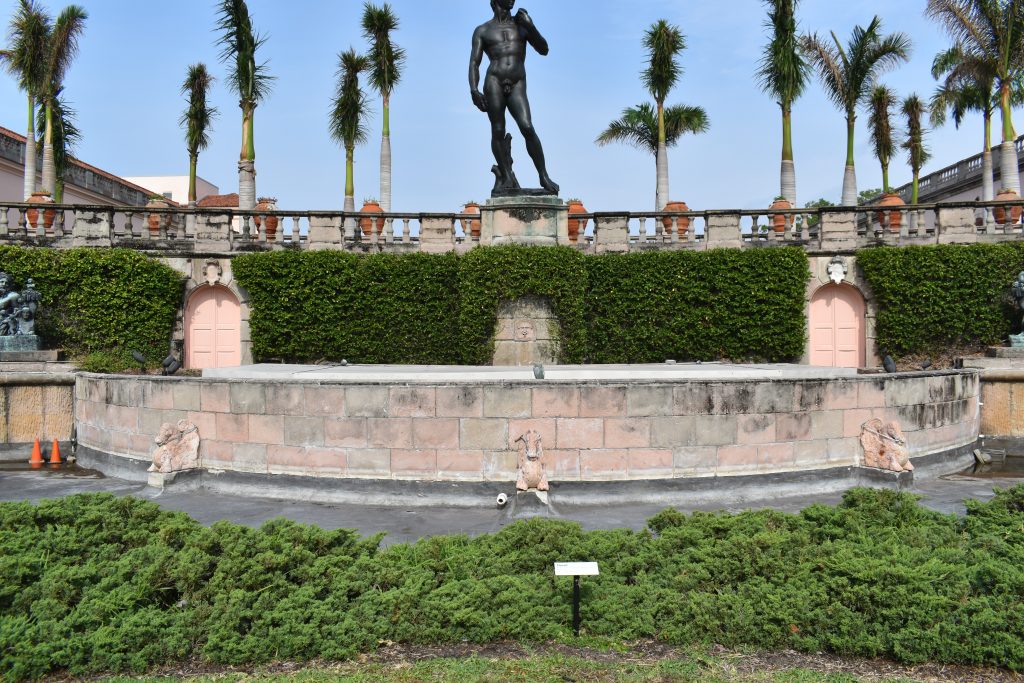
x: 112, y: 301
x: 933, y: 298
x: 442, y: 309
x: 95, y: 583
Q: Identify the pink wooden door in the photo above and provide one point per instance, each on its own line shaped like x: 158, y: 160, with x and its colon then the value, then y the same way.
x: 213, y: 326
x: 837, y: 327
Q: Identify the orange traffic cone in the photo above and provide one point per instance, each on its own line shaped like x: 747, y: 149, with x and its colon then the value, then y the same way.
x: 55, y: 453
x: 37, y: 456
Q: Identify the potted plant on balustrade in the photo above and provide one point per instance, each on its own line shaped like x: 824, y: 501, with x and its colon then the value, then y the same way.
x: 371, y: 206
x: 890, y: 200
x: 780, y: 220
x: 264, y: 205
x: 575, y: 224
x: 683, y: 222
x: 1006, y: 194
x: 155, y: 221
x: 32, y: 216
x: 471, y: 208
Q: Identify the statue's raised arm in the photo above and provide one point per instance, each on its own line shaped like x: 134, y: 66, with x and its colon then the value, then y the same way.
x: 533, y: 36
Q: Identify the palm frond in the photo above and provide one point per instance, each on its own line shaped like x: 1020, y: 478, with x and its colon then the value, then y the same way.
x: 26, y: 56
x: 681, y: 119
x: 638, y: 126
x: 664, y: 43
x: 386, y: 58
x: 918, y: 153
x: 66, y: 134
x: 828, y: 60
x: 199, y: 115
x: 239, y: 44
x: 783, y: 70
x: 880, y: 123
x: 63, y: 47
x: 350, y: 105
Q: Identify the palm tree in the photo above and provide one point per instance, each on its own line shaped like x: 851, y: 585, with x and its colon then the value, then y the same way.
x: 62, y: 47
x: 349, y: 110
x: 386, y: 60
x: 249, y: 80
x: 918, y: 153
x: 664, y: 43
x: 848, y: 75
x: 66, y: 136
x: 991, y: 32
x: 638, y: 126
x: 783, y: 75
x: 196, y: 120
x: 968, y: 84
x: 25, y: 59
x: 880, y: 125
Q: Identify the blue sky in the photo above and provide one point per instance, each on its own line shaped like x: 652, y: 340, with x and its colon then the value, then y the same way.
x: 125, y: 87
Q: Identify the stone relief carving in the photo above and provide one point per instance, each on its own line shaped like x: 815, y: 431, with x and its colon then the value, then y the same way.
x: 525, y: 331
x: 531, y: 463
x: 177, y: 448
x: 885, y: 447
x: 837, y: 270
x: 213, y: 272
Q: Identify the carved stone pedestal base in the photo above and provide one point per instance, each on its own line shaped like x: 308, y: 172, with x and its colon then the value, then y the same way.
x: 536, y: 221
x: 527, y: 333
x: 20, y: 342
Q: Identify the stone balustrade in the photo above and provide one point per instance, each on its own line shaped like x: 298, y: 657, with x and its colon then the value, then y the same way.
x: 184, y: 231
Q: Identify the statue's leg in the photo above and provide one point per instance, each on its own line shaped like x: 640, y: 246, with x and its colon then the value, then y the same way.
x: 496, y: 106
x: 519, y: 107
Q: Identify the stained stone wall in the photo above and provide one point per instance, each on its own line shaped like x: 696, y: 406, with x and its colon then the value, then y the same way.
x: 35, y: 407
x: 527, y: 333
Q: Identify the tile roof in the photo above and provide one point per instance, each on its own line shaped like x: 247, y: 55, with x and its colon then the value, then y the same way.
x: 219, y: 201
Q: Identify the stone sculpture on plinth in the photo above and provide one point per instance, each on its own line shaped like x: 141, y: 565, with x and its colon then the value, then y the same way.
x: 885, y: 447
x: 18, y: 312
x: 532, y: 476
x: 1017, y: 340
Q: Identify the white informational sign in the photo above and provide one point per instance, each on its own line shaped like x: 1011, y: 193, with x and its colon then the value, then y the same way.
x: 576, y: 569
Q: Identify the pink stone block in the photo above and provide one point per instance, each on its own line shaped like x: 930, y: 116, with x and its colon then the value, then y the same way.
x: 346, y: 432
x: 158, y: 396
x: 649, y: 463
x: 460, y: 464
x: 842, y: 395
x: 853, y: 421
x: 811, y: 452
x: 562, y: 465
x: 500, y: 465
x: 326, y: 460
x: 142, y: 445
x: 578, y: 432
x: 756, y: 429
x: 266, y: 429
x: 413, y: 463
x: 632, y: 432
x: 125, y: 419
x: 215, y: 398
x: 870, y: 395
x: 205, y: 422
x: 793, y: 426
x: 285, y: 400
x: 737, y: 457
x: 387, y: 432
x: 776, y: 454
x: 545, y: 427
x: 604, y: 464
x: 234, y: 428
x: 213, y: 453
x: 286, y: 459
x: 412, y: 402
x: 695, y: 460
x: 324, y: 401
x: 435, y: 433
x: 459, y: 402
x: 602, y: 402
x: 556, y: 402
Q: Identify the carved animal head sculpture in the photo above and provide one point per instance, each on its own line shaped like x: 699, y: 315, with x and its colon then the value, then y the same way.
x: 531, y: 464
x: 885, y: 447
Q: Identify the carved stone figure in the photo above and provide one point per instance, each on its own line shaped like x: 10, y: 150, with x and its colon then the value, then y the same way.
x: 504, y: 39
x: 1017, y: 340
x: 531, y: 463
x: 885, y: 447
x: 18, y: 313
x: 177, y: 448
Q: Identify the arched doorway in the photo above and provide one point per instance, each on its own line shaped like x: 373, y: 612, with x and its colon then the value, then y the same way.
x: 837, y: 327
x: 213, y: 327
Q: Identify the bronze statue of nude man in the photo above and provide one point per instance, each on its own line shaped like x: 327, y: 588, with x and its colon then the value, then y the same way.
x: 503, y: 39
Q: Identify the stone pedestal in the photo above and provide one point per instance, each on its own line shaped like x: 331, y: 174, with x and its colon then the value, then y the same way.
x: 535, y: 221
x: 19, y: 343
x: 527, y: 333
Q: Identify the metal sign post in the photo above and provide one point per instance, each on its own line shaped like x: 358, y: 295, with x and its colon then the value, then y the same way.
x: 576, y: 570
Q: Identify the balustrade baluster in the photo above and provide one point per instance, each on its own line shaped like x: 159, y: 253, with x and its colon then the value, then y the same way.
x: 129, y: 224
x: 406, y: 231
x: 389, y: 231
x: 22, y: 220
x: 3, y: 221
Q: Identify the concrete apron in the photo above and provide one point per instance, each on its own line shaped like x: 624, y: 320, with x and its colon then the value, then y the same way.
x: 725, y: 491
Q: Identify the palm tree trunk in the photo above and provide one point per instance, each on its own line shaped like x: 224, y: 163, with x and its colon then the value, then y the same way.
x: 193, y: 161
x: 987, y: 183
x: 787, y: 175
x: 1008, y: 167
x: 30, y: 150
x: 885, y: 178
x: 350, y: 190
x: 49, y: 181
x: 662, y: 197
x: 914, y: 193
x: 850, y: 176
x: 247, y: 163
x: 385, y: 160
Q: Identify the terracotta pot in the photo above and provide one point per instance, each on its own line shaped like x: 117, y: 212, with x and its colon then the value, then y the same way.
x: 267, y: 204
x: 682, y: 221
x: 780, y: 221
x: 890, y: 199
x: 999, y: 212
x: 473, y: 224
x: 575, y: 208
x: 48, y: 214
x: 368, y: 224
x: 157, y: 220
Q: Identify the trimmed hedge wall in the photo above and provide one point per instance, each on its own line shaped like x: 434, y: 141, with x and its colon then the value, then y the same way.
x: 442, y: 309
x: 112, y: 301
x: 933, y: 298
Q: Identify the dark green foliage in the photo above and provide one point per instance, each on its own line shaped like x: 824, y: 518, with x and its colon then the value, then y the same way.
x: 442, y: 309
x: 112, y: 301
x: 724, y: 303
x: 96, y: 583
x: 931, y: 298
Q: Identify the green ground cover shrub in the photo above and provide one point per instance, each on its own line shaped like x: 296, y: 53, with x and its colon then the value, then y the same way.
x: 933, y: 298
x: 106, y: 302
x: 442, y: 309
x: 96, y: 583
